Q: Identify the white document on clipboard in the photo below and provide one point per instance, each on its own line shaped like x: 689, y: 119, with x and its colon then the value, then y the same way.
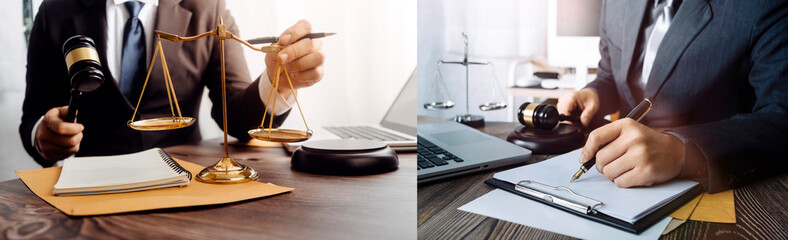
x: 626, y: 204
x: 503, y: 205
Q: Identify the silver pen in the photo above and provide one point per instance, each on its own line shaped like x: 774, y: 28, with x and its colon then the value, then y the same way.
x: 274, y: 39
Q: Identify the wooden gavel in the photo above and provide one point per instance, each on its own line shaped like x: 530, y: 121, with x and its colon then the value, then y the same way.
x: 542, y: 116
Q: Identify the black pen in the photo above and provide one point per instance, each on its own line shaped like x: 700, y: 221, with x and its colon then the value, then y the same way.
x: 274, y: 39
x: 637, y: 113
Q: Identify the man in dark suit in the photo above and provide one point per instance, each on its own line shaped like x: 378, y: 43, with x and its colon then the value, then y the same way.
x: 721, y: 117
x: 123, y: 33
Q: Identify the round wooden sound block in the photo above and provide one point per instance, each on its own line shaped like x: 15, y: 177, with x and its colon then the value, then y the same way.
x: 561, y: 139
x: 344, y: 157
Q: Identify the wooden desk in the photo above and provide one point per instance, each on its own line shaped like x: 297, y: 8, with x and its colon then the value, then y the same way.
x: 761, y: 209
x: 321, y: 207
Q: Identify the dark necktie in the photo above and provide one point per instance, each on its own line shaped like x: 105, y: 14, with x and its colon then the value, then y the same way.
x: 132, y: 68
x: 645, y: 50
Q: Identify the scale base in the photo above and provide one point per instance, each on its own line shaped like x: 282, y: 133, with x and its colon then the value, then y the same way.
x: 227, y: 171
x: 474, y: 121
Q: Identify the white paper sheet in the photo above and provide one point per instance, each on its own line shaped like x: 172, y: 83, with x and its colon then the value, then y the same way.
x: 627, y: 204
x: 509, y: 207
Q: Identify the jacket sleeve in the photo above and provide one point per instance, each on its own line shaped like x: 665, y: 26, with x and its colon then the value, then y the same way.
x: 47, y: 86
x: 751, y: 145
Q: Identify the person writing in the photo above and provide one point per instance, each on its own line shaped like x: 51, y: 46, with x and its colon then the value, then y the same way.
x: 124, y: 38
x: 717, y: 73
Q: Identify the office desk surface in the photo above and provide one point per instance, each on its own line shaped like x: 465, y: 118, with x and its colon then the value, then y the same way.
x: 321, y: 207
x: 761, y: 209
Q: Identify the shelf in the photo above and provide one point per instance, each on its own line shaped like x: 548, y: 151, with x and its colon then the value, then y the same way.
x: 538, y: 92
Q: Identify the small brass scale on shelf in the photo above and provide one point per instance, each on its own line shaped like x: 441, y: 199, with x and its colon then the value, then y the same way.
x: 226, y: 170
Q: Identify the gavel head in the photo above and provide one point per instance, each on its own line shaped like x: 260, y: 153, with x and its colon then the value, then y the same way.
x: 82, y: 61
x: 542, y: 116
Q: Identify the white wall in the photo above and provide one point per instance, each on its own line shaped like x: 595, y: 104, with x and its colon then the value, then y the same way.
x: 367, y: 62
x: 500, y: 31
x: 12, y: 91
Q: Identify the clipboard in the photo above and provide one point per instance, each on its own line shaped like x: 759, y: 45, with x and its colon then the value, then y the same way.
x: 588, y: 211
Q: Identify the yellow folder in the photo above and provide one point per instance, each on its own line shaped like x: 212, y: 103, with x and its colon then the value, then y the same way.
x: 718, y: 207
x: 41, y: 182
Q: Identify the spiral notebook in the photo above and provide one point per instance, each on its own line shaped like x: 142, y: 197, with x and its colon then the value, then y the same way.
x: 146, y: 170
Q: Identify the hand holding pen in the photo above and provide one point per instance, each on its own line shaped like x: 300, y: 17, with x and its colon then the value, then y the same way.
x: 636, y: 114
x: 629, y: 153
x: 302, y: 55
x: 632, y: 154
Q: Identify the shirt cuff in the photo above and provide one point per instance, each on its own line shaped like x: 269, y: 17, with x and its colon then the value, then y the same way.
x: 33, y: 136
x: 694, y: 161
x: 282, y: 105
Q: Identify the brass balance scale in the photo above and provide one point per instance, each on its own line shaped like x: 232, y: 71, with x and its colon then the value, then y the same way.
x: 226, y: 170
x: 438, y: 97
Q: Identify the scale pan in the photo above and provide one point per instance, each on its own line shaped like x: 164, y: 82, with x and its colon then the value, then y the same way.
x: 492, y: 106
x: 163, y: 123
x: 280, y: 135
x: 439, y: 105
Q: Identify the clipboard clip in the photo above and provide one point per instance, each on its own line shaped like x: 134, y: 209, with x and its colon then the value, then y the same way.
x: 523, y: 187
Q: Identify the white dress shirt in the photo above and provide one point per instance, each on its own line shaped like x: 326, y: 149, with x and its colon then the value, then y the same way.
x: 117, y: 15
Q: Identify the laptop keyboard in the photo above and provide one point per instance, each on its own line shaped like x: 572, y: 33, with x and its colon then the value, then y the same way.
x: 430, y: 155
x: 364, y: 132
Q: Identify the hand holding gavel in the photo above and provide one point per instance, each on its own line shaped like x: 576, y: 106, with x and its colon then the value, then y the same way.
x: 58, y: 135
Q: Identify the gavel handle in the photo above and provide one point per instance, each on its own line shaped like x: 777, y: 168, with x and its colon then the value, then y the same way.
x: 572, y: 118
x: 71, y: 115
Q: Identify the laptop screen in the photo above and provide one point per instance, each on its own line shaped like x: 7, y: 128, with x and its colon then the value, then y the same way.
x: 402, y: 114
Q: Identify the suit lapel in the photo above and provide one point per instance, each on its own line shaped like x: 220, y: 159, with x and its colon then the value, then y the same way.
x: 635, y: 10
x: 171, y: 18
x: 691, y: 18
x: 634, y: 19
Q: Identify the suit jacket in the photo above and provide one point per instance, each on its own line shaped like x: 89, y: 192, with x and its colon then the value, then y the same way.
x: 104, y: 112
x: 724, y: 65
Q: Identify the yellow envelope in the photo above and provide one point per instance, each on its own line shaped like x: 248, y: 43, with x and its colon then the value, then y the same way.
x: 684, y: 212
x: 42, y: 181
x: 718, y: 208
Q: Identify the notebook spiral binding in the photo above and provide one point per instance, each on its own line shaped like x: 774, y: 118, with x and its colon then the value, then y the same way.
x: 173, y: 164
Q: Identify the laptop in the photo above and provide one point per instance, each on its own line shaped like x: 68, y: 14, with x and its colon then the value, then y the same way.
x: 448, y: 149
x: 397, y: 129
